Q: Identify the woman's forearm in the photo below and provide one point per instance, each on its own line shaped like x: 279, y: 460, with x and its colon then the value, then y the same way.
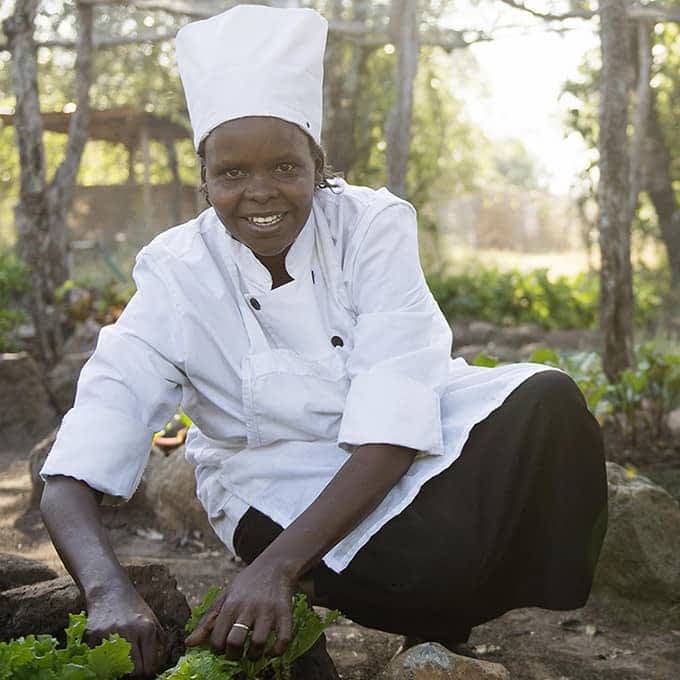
x: 70, y: 511
x: 353, y: 493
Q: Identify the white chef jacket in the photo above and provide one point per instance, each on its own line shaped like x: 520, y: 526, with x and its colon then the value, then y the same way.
x: 281, y: 385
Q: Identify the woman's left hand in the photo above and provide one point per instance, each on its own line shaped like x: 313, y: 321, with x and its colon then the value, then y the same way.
x: 259, y: 597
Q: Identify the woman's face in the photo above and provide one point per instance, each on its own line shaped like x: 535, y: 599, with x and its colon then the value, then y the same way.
x: 259, y: 174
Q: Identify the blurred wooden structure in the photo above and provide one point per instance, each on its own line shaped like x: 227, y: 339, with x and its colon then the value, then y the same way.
x: 162, y: 205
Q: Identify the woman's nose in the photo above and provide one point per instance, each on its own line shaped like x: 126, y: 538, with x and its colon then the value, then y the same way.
x: 260, y: 189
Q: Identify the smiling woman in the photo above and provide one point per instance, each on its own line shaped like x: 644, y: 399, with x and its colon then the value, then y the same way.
x: 339, y: 449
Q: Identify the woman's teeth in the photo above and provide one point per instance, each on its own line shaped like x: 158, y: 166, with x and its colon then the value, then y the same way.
x: 266, y: 221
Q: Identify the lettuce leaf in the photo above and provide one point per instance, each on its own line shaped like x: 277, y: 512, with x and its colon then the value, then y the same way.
x: 307, y: 629
x: 38, y: 657
x: 200, y: 662
x: 111, y: 658
x: 201, y: 608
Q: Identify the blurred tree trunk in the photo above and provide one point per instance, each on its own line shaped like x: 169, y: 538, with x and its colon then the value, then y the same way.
x: 404, y: 29
x: 614, y: 221
x: 659, y: 185
x: 42, y: 208
x: 642, y: 67
x: 344, y: 65
x: 652, y: 156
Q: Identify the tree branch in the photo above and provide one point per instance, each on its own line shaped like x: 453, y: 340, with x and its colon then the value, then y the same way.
x: 574, y: 14
x: 648, y: 12
x: 652, y: 13
x: 352, y: 31
x: 196, y: 10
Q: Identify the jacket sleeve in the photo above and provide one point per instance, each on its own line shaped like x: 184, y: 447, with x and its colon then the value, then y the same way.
x: 402, y: 343
x: 128, y: 389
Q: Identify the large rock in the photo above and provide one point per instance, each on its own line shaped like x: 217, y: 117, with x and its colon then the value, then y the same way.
x: 170, y: 491
x: 432, y: 661
x: 479, y: 333
x: 84, y: 338
x: 638, y: 573
x: 573, y: 339
x: 517, y: 336
x: 26, y: 412
x: 63, y: 378
x: 20, y: 571
x: 44, y: 607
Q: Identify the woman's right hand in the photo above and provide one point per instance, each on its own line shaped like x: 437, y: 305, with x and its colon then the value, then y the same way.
x: 122, y: 610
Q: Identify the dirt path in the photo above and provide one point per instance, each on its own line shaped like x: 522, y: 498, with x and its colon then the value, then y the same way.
x: 533, y: 644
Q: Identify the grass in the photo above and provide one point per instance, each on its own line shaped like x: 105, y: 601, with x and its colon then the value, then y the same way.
x: 567, y: 263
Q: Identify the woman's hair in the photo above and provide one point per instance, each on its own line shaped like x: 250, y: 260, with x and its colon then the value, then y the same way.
x: 323, y: 172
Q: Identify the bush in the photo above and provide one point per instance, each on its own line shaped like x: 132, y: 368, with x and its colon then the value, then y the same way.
x: 80, y: 300
x: 513, y: 297
x: 641, y: 397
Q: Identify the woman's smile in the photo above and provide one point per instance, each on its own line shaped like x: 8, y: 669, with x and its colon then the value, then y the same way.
x: 266, y: 223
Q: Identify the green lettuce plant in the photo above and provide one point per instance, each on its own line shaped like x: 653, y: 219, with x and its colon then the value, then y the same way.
x: 39, y: 657
x: 200, y: 662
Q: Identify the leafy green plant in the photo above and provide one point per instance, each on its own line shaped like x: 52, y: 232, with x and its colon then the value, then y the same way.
x: 486, y: 360
x: 200, y: 662
x: 111, y: 299
x: 650, y: 389
x: 13, y: 283
x: 643, y: 394
x: 513, y: 297
x: 201, y: 608
x: 38, y: 657
x: 79, y: 300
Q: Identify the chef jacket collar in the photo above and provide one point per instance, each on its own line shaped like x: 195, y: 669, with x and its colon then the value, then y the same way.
x: 256, y: 275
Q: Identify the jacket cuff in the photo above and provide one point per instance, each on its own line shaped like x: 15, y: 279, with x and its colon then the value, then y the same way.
x: 103, y: 448
x: 384, y: 407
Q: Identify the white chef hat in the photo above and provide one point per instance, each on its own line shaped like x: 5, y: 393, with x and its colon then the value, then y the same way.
x: 253, y: 60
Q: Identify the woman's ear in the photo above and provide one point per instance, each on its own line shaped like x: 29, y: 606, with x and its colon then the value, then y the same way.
x: 318, y: 172
x: 204, y: 184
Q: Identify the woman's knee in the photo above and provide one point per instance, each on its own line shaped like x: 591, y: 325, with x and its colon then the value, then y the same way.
x: 560, y: 406
x: 553, y: 388
x: 557, y: 401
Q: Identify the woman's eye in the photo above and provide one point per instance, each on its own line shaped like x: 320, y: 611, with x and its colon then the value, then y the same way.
x: 232, y: 173
x: 286, y: 167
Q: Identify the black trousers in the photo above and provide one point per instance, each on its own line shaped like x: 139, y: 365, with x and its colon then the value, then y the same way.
x: 517, y: 520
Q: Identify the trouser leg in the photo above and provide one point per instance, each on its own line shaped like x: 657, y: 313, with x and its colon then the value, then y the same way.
x: 548, y: 543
